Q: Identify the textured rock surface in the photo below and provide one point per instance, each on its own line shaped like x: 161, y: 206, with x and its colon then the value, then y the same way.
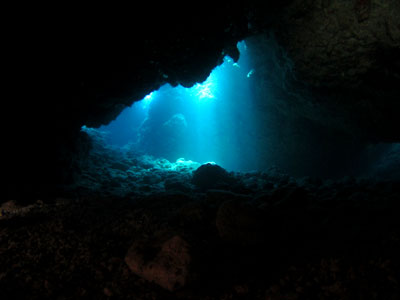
x: 336, y: 43
x: 270, y: 235
x: 341, y: 61
x: 166, y: 264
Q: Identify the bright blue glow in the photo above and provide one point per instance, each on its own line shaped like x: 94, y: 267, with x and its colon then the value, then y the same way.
x: 147, y: 100
x: 203, y: 123
x: 250, y: 73
x: 204, y: 90
x: 242, y: 46
x: 230, y: 120
x: 148, y: 97
x: 181, y: 164
x: 228, y: 60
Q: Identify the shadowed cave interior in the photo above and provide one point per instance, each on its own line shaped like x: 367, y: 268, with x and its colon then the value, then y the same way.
x: 246, y: 152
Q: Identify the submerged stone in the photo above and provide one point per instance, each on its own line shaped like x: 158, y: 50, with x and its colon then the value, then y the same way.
x: 209, y: 176
x: 164, y: 262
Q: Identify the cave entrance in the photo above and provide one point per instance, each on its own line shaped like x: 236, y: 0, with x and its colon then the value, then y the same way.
x: 244, y: 117
x: 209, y: 122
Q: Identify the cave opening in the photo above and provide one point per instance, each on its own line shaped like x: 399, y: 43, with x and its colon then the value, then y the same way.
x: 274, y: 176
x: 212, y: 121
x: 247, y: 116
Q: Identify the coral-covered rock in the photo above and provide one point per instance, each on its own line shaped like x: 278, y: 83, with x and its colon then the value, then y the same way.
x: 164, y: 262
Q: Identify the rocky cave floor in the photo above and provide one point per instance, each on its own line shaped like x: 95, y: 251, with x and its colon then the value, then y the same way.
x: 136, y: 227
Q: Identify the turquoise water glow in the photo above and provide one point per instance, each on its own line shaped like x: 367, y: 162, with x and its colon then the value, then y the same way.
x: 210, y: 121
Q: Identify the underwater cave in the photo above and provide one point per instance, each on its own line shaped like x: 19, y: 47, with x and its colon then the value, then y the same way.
x: 233, y: 119
x: 241, y: 151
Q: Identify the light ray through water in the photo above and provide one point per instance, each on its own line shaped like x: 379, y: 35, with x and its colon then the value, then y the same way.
x: 203, y: 123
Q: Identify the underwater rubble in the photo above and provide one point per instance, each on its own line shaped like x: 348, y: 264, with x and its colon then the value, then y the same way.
x: 138, y: 227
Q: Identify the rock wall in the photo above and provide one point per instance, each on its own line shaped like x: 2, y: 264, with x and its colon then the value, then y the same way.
x: 82, y: 66
x: 344, y: 63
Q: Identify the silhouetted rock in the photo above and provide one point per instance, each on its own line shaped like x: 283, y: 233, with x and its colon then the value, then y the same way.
x: 209, y: 176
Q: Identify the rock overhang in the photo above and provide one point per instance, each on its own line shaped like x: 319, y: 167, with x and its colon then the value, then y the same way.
x: 86, y: 74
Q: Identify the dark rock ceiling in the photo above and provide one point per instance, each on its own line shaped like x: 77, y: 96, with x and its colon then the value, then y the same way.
x: 346, y: 54
x: 73, y: 66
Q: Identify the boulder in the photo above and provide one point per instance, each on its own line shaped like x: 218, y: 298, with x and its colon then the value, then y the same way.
x: 165, y: 261
x: 209, y: 176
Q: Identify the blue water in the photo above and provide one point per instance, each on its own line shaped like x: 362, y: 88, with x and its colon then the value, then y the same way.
x: 210, y: 121
x: 240, y: 120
